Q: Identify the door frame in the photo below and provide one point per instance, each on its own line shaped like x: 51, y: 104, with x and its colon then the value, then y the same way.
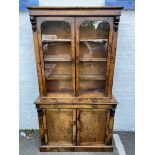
x: 78, y: 21
x: 40, y: 59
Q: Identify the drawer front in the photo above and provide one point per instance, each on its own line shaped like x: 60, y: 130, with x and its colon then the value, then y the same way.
x: 94, y: 127
x: 60, y: 126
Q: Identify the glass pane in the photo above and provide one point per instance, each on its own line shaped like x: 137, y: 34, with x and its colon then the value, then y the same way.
x: 58, y: 69
x: 94, y: 36
x: 56, y: 41
x: 92, y: 68
x: 90, y: 49
x: 94, y: 30
x: 56, y: 29
x: 60, y: 86
x: 57, y: 50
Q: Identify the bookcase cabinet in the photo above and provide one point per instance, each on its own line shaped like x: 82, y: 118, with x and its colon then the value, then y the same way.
x: 75, y: 50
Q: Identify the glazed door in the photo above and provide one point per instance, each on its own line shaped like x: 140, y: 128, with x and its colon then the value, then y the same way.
x: 61, y: 127
x: 93, y: 40
x: 92, y: 127
x: 56, y: 42
x: 75, y: 55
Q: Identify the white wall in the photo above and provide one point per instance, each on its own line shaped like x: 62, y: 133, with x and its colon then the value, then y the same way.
x: 124, y: 77
x: 123, y: 87
x: 71, y: 2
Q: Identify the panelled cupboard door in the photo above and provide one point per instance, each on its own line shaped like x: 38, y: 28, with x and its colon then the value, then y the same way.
x: 92, y: 127
x: 61, y: 127
x: 57, y: 54
x: 93, y: 41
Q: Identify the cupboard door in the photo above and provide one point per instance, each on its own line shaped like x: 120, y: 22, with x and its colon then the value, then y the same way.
x: 93, y: 37
x: 91, y: 127
x: 56, y: 37
x: 61, y: 127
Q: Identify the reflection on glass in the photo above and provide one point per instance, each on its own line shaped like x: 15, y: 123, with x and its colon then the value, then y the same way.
x: 58, y: 69
x: 56, y: 30
x: 92, y: 68
x: 60, y: 86
x: 57, y: 51
x: 94, y: 30
x: 56, y: 43
x: 93, y: 47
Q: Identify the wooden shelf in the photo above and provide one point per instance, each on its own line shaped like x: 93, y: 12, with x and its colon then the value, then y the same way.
x: 94, y: 40
x: 82, y: 77
x: 69, y: 40
x: 59, y: 77
x: 55, y: 40
x: 93, y: 59
x: 92, y: 77
x: 54, y: 58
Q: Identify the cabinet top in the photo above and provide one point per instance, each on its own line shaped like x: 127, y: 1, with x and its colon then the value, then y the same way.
x: 75, y: 7
x: 75, y: 11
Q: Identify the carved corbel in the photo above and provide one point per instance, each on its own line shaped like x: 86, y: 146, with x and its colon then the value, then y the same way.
x: 112, y: 112
x: 116, y: 23
x: 33, y: 23
x: 40, y: 112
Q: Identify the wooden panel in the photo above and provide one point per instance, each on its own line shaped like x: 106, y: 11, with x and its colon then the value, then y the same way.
x: 61, y: 127
x: 45, y: 148
x: 88, y: 98
x: 77, y: 56
x: 73, y: 34
x: 77, y: 106
x: 41, y: 55
x: 75, y: 11
x: 38, y: 64
x: 110, y: 124
x: 112, y: 60
x: 91, y: 127
x: 41, y: 126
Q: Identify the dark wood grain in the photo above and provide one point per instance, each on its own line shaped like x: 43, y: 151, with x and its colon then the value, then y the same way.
x: 112, y: 61
x: 41, y: 125
x: 75, y: 50
x: 38, y: 64
x: 75, y: 11
x: 60, y: 127
x: 91, y: 127
x: 76, y: 149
